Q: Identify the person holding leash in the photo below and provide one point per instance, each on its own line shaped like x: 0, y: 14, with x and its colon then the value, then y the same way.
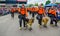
x: 41, y: 13
x: 53, y: 15
x: 22, y: 16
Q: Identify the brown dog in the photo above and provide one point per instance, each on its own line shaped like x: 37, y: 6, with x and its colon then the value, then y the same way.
x: 29, y: 23
x: 45, y: 21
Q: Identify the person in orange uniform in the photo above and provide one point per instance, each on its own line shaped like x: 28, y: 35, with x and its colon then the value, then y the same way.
x: 53, y: 15
x: 22, y: 17
x: 12, y: 12
x: 41, y: 12
x: 29, y: 10
x: 33, y: 12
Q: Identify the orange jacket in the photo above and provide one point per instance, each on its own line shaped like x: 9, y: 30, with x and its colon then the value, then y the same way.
x: 29, y: 9
x: 13, y: 10
x: 33, y: 9
x: 18, y: 9
x: 52, y: 12
x: 36, y: 9
x: 41, y: 11
x: 23, y: 11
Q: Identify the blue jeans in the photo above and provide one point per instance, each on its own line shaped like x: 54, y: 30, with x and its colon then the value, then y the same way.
x: 22, y: 18
x: 53, y: 19
x: 39, y: 17
x: 33, y: 14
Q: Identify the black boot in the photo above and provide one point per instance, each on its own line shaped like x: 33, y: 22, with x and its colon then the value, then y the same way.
x: 56, y: 25
x: 45, y: 26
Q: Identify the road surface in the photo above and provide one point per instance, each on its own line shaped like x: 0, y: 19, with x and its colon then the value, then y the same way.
x: 10, y: 27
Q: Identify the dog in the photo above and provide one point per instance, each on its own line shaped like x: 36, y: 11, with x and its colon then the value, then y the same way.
x: 45, y: 21
x: 29, y: 23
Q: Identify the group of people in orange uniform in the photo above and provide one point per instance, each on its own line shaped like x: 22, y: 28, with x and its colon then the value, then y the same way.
x: 40, y: 11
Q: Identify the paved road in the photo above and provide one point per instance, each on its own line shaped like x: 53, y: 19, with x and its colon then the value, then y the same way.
x: 10, y: 27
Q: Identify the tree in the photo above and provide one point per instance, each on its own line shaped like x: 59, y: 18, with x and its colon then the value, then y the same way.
x: 57, y: 3
x: 42, y: 4
x: 36, y: 4
x: 30, y: 5
x: 47, y: 2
